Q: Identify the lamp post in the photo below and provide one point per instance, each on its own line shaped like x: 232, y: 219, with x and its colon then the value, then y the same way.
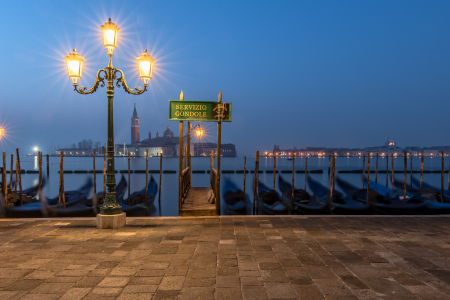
x: 75, y: 67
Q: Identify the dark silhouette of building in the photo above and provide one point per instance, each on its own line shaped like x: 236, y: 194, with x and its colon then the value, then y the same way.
x: 135, y: 135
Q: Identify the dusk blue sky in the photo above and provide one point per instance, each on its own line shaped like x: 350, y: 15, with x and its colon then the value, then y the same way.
x: 299, y: 73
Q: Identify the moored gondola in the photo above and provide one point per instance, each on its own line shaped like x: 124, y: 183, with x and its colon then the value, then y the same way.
x: 270, y: 202
x: 40, y: 209
x: 120, y: 190
x: 339, y: 203
x: 381, y: 204
x: 303, y: 202
x: 236, y: 202
x: 300, y: 196
x: 139, y: 196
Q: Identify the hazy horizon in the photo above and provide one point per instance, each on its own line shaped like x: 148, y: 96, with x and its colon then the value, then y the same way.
x: 344, y: 74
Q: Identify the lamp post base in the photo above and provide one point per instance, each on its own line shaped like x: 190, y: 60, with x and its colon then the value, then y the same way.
x: 111, y: 210
x: 111, y: 221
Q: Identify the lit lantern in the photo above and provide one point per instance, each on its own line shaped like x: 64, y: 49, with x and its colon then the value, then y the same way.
x: 110, y: 34
x: 74, y: 65
x: 145, y: 64
x: 200, y: 132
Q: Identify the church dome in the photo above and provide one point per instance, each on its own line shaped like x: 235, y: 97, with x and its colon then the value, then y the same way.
x: 168, y: 133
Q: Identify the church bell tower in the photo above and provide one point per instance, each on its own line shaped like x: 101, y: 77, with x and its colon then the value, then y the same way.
x: 135, y: 136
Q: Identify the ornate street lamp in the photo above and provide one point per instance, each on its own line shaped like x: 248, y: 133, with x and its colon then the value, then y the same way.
x: 75, y: 67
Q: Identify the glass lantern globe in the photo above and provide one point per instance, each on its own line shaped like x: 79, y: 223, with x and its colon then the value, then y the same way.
x: 145, y: 64
x: 110, y: 35
x: 74, y: 63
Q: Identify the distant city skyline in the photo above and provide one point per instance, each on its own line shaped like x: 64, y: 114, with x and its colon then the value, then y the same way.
x: 299, y: 74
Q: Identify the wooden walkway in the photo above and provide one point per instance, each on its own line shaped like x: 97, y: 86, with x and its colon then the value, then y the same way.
x: 196, y: 203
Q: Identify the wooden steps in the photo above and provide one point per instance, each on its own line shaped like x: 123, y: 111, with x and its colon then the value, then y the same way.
x: 196, y: 203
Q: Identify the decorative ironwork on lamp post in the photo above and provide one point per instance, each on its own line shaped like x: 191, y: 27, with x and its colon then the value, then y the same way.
x: 109, y: 74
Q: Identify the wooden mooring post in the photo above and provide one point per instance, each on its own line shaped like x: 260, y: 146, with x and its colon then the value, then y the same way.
x: 40, y: 171
x: 404, y: 179
x: 364, y: 168
x: 61, y: 196
x: 146, y: 182
x: 421, y: 171
x: 129, y: 177
x: 410, y: 170
x: 4, y: 184
x: 442, y: 178
x: 376, y: 170
x: 368, y: 176
x: 11, y: 173
x: 306, y: 170
x: 293, y: 181
x: 219, y: 154
x: 245, y: 170
x: 180, y: 161
x: 330, y: 200
x: 257, y: 182
x: 274, y: 170
x: 160, y: 181
x: 93, y: 170
x: 18, y: 171
x: 16, y: 182
x: 392, y: 160
x: 254, y: 190
x: 387, y: 170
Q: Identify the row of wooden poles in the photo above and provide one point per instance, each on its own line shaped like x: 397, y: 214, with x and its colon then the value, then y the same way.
x: 61, y: 194
x: 331, y: 171
x: 255, y: 208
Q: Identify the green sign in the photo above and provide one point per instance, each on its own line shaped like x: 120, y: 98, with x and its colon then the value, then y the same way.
x: 199, y: 111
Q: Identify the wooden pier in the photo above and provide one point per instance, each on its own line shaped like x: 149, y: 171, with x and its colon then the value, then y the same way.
x: 197, y: 203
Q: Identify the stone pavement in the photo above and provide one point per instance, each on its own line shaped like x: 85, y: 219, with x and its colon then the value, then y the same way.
x: 227, y: 258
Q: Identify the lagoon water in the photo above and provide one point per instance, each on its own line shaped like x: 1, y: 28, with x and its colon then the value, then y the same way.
x: 169, y: 195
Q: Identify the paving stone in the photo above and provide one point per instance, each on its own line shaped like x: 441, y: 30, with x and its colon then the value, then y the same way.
x: 134, y: 289
x: 353, y: 282
x: 23, y: 285
x: 114, y: 282
x: 196, y: 293
x: 103, y: 291
x: 75, y: 293
x: 251, y: 281
x: 280, y: 290
x: 202, y: 282
x: 51, y: 288
x: 227, y: 281
x: 228, y: 293
x: 254, y: 292
x: 165, y: 295
x: 172, y: 283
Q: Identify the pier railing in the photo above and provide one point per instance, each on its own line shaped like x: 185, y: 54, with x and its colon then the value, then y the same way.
x: 185, y: 183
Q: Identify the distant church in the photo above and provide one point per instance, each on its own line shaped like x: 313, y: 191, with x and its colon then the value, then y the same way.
x: 168, y: 144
